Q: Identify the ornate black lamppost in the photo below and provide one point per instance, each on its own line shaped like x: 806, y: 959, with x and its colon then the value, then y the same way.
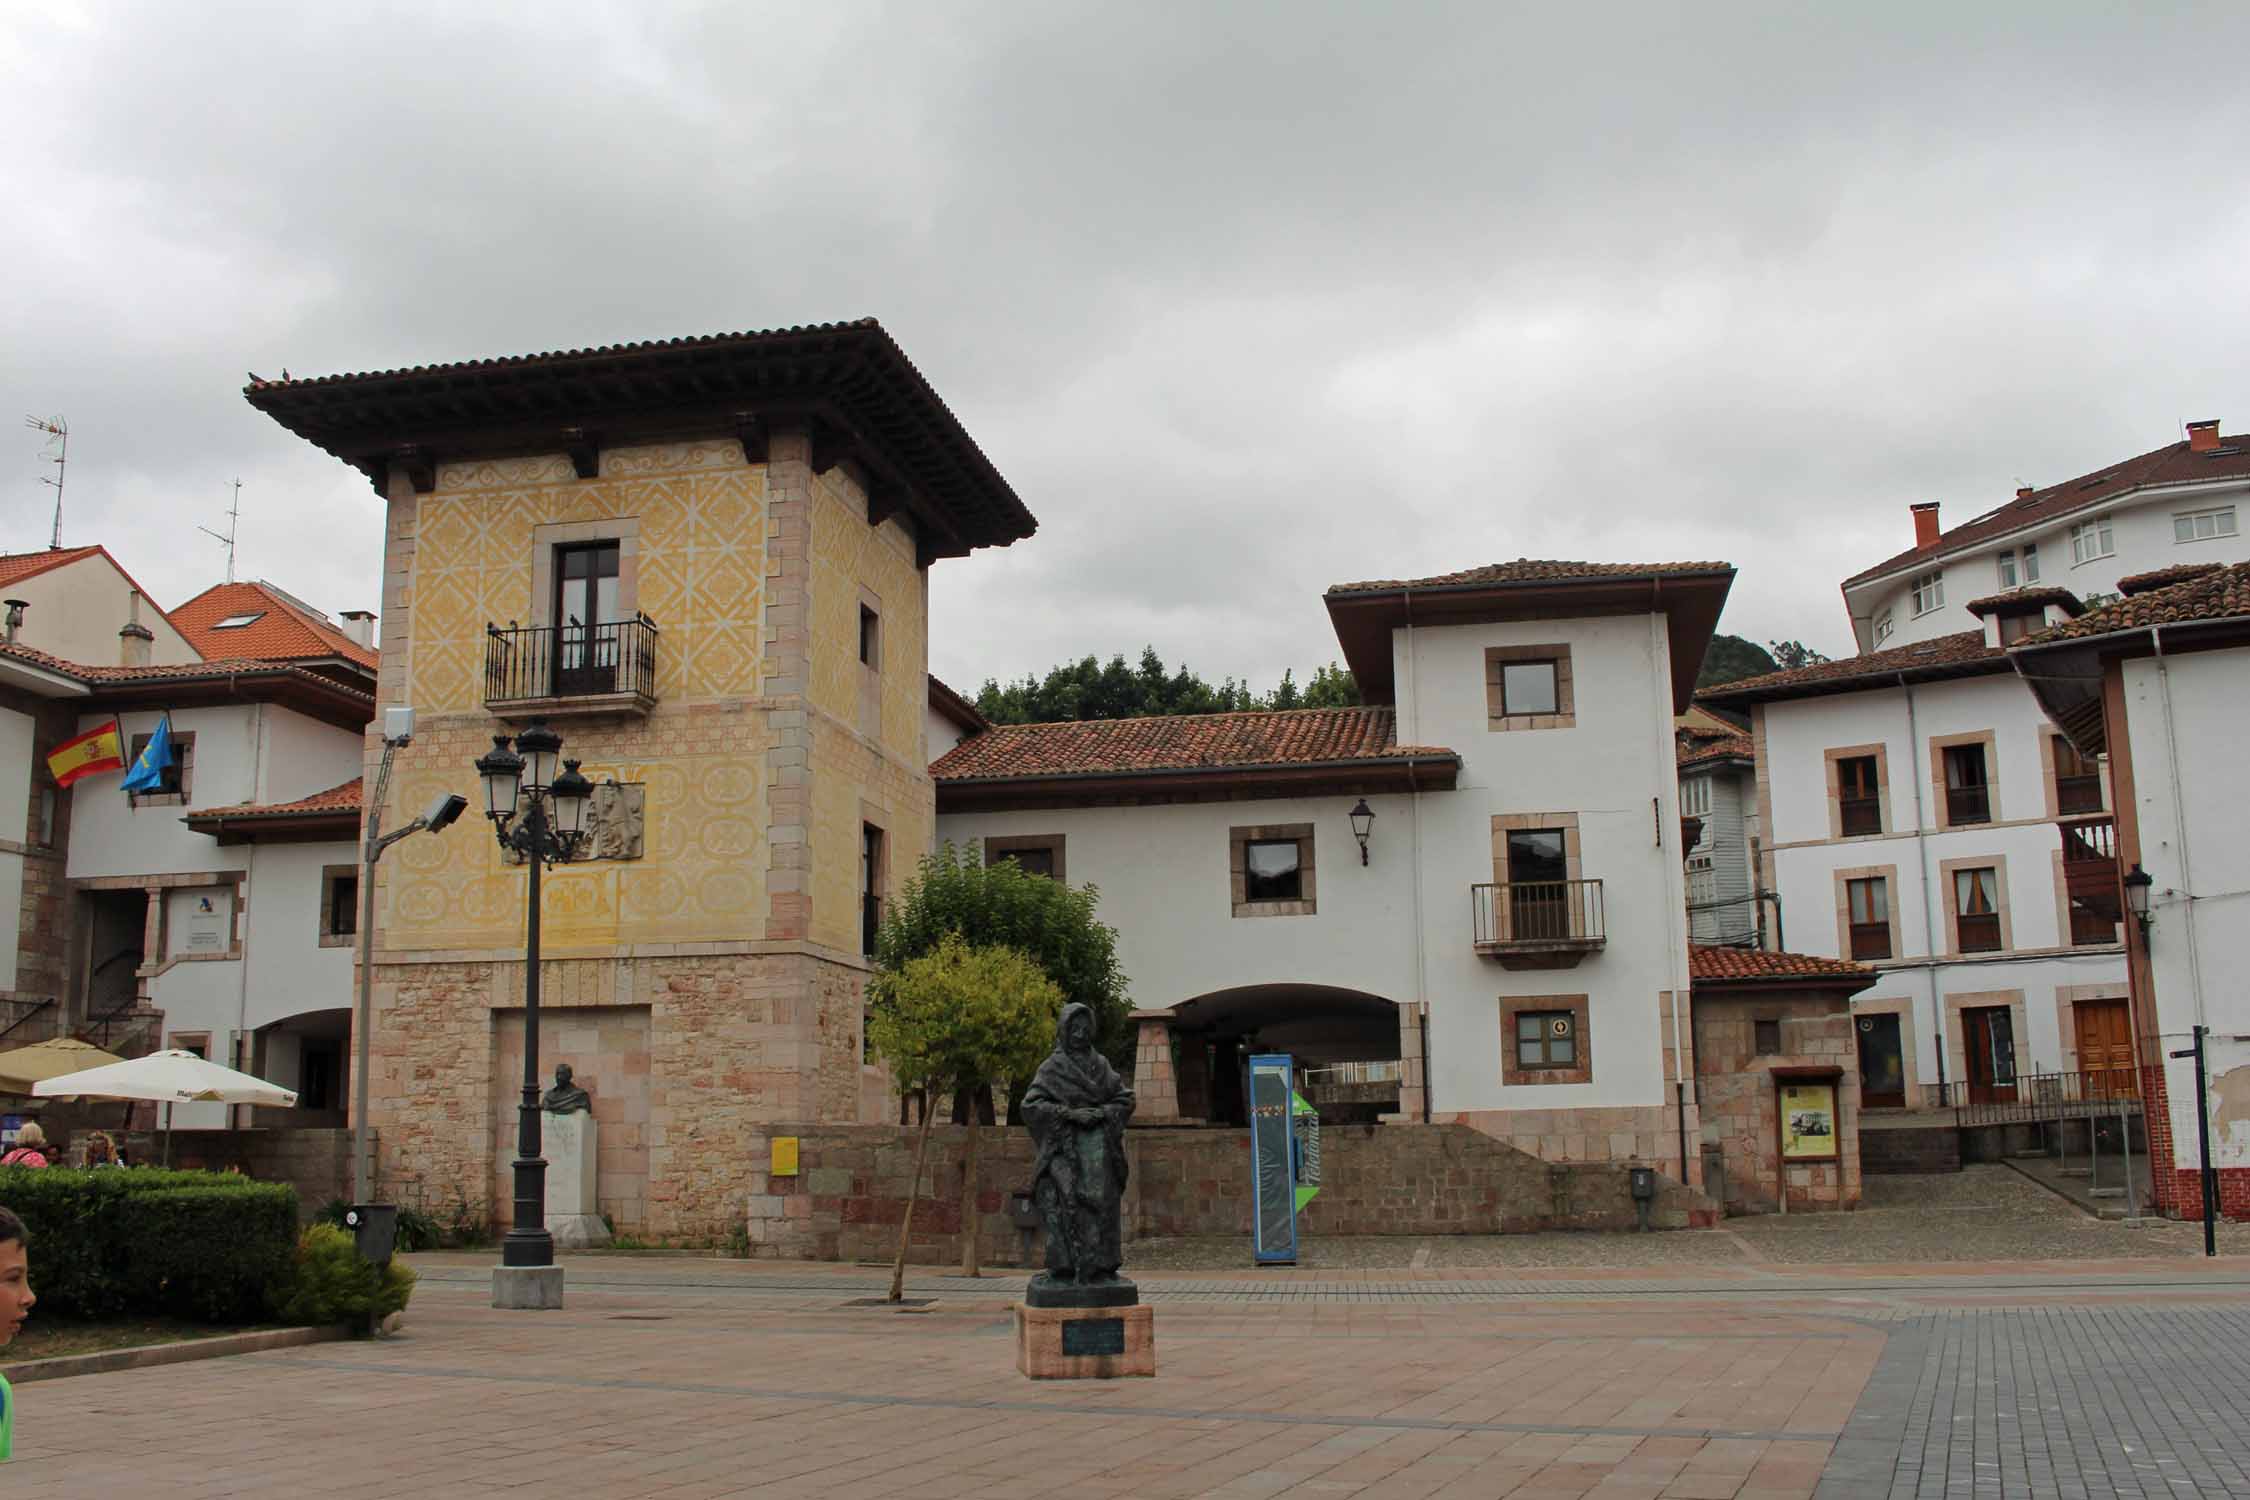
x: 541, y: 816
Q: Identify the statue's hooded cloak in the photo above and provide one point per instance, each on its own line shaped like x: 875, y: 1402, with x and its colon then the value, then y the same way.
x: 1080, y: 1173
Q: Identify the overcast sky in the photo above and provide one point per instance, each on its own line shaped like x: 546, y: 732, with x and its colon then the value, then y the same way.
x: 1243, y: 299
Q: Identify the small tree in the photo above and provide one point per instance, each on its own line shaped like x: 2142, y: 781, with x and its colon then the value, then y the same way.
x: 998, y: 905
x: 959, y: 1016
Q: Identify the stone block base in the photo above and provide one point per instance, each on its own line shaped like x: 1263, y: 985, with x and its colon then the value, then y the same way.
x: 537, y: 1288
x: 578, y: 1231
x: 1085, y: 1343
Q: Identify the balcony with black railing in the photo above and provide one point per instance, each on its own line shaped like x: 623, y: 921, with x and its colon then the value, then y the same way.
x: 1540, y: 924
x: 571, y: 670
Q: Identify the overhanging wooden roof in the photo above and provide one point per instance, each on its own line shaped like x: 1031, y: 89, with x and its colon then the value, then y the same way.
x: 849, y: 383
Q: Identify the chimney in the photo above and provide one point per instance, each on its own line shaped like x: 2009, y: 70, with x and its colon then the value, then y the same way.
x: 2025, y: 492
x: 135, y: 640
x: 1925, y: 525
x: 359, y: 624
x: 2203, y: 437
x: 12, y: 621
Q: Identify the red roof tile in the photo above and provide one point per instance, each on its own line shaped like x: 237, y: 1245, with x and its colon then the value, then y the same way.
x: 1532, y: 570
x: 1944, y: 656
x: 2174, y: 463
x: 15, y: 565
x: 1696, y: 750
x: 2039, y: 596
x: 284, y: 630
x: 337, y: 799
x: 1754, y: 964
x: 189, y: 671
x: 2164, y: 578
x: 1291, y: 737
x: 2218, y: 595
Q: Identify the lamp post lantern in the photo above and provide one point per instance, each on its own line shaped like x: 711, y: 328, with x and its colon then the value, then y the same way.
x: 542, y: 816
x: 1363, y: 824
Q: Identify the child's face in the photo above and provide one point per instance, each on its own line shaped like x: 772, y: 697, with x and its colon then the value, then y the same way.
x: 16, y: 1295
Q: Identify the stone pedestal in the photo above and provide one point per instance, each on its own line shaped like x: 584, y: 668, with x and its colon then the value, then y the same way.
x: 1156, y: 1098
x: 1085, y: 1343
x: 570, y: 1144
x: 533, y: 1288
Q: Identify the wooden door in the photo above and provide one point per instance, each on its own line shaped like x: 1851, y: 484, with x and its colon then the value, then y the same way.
x: 1882, y: 1064
x: 2105, y: 1049
x: 1989, y: 1032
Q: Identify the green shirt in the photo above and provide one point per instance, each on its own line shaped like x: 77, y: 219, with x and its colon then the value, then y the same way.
x: 7, y: 1418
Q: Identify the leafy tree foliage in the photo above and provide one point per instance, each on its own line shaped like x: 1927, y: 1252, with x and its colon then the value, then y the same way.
x: 1087, y: 689
x: 1730, y: 658
x: 1790, y: 655
x: 959, y: 1015
x: 998, y: 905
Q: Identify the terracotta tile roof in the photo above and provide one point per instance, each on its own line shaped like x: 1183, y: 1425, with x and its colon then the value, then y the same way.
x: 191, y: 671
x: 337, y: 799
x: 2037, y: 597
x: 15, y: 565
x: 2172, y: 464
x: 2218, y: 595
x: 284, y: 629
x: 2164, y: 578
x: 1532, y: 570
x: 1753, y: 964
x: 1290, y: 737
x: 1944, y: 656
x: 1695, y: 750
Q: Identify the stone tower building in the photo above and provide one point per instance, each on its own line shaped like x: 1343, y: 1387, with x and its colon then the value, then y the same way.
x: 704, y: 563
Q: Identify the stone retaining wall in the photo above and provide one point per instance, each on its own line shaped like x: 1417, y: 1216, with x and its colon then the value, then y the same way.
x: 847, y: 1199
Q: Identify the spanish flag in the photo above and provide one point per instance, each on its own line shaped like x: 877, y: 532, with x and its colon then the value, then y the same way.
x: 100, y: 749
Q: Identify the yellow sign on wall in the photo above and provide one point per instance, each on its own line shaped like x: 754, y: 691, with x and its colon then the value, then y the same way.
x: 1808, y: 1122
x: 784, y: 1157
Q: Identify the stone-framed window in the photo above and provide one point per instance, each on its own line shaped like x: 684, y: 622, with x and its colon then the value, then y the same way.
x: 1859, y: 790
x: 339, y: 906
x: 1977, y: 919
x: 1867, y: 912
x: 1544, y: 1039
x: 179, y: 778
x: 1033, y: 853
x: 1529, y: 687
x: 2074, y: 782
x: 1266, y: 862
x: 1965, y: 778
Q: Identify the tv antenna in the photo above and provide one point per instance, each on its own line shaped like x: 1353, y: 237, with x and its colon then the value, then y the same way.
x: 234, y: 524
x: 59, y: 431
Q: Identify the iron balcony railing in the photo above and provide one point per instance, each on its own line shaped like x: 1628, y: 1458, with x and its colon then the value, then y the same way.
x: 528, y: 663
x: 2049, y: 1096
x: 1538, y: 913
x: 1379, y: 1071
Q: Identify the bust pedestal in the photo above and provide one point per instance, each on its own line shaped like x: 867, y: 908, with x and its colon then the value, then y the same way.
x: 1085, y: 1343
x: 570, y: 1142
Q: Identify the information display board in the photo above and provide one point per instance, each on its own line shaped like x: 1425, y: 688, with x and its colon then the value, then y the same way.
x: 1273, y: 1223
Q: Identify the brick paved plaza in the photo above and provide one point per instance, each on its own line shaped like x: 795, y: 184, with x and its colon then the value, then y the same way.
x: 686, y: 1378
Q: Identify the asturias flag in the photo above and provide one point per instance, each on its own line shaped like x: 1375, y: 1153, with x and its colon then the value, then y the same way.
x: 154, y: 760
x: 101, y: 749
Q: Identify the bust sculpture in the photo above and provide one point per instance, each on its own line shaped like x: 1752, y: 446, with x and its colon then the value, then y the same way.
x: 1077, y: 1107
x: 566, y: 1098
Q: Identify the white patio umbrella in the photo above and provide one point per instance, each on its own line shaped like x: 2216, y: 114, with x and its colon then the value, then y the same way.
x: 170, y: 1078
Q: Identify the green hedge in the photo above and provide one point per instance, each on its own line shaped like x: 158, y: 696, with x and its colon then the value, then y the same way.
x: 138, y: 1242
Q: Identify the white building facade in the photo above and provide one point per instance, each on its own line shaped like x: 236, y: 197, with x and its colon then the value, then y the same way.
x: 1509, y: 951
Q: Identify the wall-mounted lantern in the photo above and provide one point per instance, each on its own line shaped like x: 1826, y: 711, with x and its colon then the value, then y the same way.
x: 2137, y: 885
x: 1363, y: 823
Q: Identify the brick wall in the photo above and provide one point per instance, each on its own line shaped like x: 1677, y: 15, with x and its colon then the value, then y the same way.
x: 850, y: 1192
x: 2178, y: 1187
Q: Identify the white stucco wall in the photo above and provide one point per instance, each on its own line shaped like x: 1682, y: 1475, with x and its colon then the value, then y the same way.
x: 2195, y: 844
x: 939, y: 733
x: 291, y: 973
x: 15, y: 822
x: 1163, y: 870
x: 2140, y: 530
x: 1798, y: 732
x: 77, y: 609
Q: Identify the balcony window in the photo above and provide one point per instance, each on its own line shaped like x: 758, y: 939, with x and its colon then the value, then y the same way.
x: 2088, y: 927
x: 1859, y: 796
x: 1929, y: 592
x: 1869, y: 905
x: 2078, y: 781
x: 1968, y: 790
x: 1976, y: 909
x: 2203, y: 525
x: 2090, y: 540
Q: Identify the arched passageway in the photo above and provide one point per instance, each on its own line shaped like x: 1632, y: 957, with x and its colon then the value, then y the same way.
x: 1346, y: 1044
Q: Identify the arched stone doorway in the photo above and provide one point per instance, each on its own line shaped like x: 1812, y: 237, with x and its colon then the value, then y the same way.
x: 1348, y: 1045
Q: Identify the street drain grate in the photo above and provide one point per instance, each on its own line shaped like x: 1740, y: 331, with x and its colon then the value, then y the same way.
x: 910, y: 1304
